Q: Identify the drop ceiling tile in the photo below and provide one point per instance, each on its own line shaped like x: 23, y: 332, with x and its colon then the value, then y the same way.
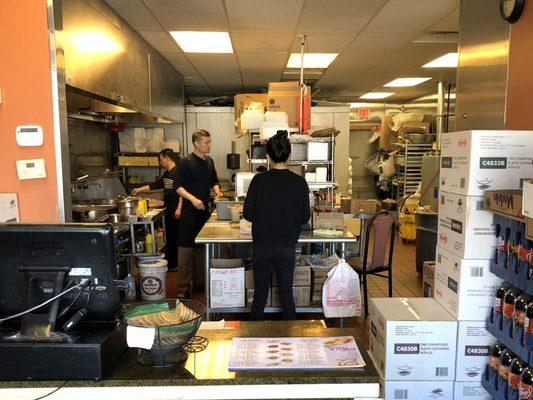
x: 263, y: 60
x: 193, y: 81
x: 212, y: 60
x: 198, y: 90
x: 348, y: 60
x: 324, y: 42
x: 160, y: 41
x: 338, y: 15
x: 135, y: 14
x: 248, y: 41
x: 266, y: 16
x: 261, y: 78
x: 175, y: 57
x: 449, y: 23
x: 377, y: 43
x: 410, y: 15
x: 201, y: 15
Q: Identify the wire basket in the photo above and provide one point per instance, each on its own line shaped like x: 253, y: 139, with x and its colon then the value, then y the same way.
x: 170, y: 339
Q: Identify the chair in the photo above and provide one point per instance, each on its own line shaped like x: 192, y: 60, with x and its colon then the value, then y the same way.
x: 383, y: 226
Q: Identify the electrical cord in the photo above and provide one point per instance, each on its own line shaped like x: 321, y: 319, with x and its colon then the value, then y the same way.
x: 79, y: 285
x: 52, y: 392
x: 65, y: 310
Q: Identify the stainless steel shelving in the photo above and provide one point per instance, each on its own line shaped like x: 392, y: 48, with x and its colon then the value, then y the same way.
x: 409, y: 172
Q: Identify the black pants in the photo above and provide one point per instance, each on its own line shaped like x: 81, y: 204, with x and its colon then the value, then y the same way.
x: 171, y: 232
x: 266, y: 258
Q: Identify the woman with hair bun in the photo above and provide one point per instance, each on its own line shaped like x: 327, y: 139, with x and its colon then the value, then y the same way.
x: 277, y: 204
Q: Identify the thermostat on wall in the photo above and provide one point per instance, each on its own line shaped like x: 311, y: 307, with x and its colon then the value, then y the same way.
x: 29, y: 135
x: 31, y: 169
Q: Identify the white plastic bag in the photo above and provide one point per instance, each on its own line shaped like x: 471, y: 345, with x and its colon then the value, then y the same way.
x: 341, y: 294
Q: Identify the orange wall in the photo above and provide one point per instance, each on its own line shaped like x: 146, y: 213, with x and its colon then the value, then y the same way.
x: 26, y: 100
x: 520, y: 80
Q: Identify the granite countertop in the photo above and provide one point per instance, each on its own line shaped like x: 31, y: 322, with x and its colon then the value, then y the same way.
x: 209, y: 367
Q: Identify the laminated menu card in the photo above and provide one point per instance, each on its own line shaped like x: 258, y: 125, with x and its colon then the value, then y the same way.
x: 290, y: 353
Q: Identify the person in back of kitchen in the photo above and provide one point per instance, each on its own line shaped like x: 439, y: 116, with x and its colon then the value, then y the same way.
x: 197, y: 176
x: 171, y: 201
x: 277, y: 205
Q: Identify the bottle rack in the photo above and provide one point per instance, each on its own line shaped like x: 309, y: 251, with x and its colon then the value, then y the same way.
x: 497, y: 387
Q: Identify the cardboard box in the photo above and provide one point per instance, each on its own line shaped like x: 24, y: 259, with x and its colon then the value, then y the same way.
x: 529, y: 228
x: 249, y: 279
x: 465, y: 228
x: 475, y: 161
x: 243, y: 100
x: 302, y: 296
x: 250, y: 298
x: 527, y: 199
x: 417, y: 390
x: 504, y: 202
x: 316, y: 294
x: 412, y: 339
x: 353, y: 225
x: 328, y: 220
x: 227, y: 283
x: 319, y: 275
x: 470, y: 391
x: 428, y: 281
x: 285, y: 96
x: 302, y: 276
x: 473, y: 350
x: 359, y: 206
x: 465, y: 288
x: 9, y: 207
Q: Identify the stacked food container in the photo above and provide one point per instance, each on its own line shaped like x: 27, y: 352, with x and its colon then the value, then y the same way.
x: 473, y: 162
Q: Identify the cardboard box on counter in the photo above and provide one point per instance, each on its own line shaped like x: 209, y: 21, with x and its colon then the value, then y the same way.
x: 227, y: 283
x: 302, y: 276
x: 285, y: 96
x: 465, y: 288
x: 504, y: 202
x: 412, y: 339
x: 473, y: 350
x: 359, y: 206
x: 9, y: 208
x: 470, y: 391
x: 417, y: 390
x: 302, y: 296
x: 328, y: 220
x: 250, y: 297
x: 243, y: 100
x: 428, y: 280
x: 475, y: 161
x: 465, y: 228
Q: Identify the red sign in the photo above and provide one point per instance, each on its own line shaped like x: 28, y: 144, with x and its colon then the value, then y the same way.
x: 362, y: 113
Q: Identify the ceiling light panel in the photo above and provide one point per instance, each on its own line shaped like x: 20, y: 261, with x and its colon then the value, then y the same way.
x: 203, y: 42
x: 311, y: 60
x: 376, y: 95
x: 450, y: 60
x: 405, y: 82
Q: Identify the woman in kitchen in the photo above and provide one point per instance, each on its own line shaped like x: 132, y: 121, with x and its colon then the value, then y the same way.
x: 277, y: 204
x: 171, y: 201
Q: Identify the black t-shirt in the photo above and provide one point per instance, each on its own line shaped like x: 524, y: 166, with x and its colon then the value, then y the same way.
x: 167, y: 182
x: 277, y: 204
x: 197, y: 176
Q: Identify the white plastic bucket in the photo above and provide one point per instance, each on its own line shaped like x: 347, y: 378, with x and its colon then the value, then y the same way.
x: 153, y: 279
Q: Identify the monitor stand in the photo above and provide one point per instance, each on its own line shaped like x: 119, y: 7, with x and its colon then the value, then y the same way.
x: 37, y: 352
x: 39, y: 326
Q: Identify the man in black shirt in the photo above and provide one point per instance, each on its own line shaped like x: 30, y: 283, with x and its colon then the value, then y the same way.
x: 171, y: 202
x: 196, y: 177
x: 277, y: 204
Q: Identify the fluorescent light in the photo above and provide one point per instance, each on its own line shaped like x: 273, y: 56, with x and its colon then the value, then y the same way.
x: 203, y: 42
x: 450, y: 60
x: 403, y: 82
x: 311, y: 60
x: 376, y: 95
x: 95, y: 42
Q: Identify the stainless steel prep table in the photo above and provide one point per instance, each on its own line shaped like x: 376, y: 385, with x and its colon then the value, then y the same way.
x: 220, y: 232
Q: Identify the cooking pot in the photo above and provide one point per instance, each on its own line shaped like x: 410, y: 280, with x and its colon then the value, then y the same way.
x: 128, y: 206
x: 90, y: 213
x: 419, y: 138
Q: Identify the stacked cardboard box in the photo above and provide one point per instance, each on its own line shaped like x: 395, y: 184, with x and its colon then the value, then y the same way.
x: 301, y: 287
x: 472, y: 162
x: 413, y: 346
x: 319, y: 275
